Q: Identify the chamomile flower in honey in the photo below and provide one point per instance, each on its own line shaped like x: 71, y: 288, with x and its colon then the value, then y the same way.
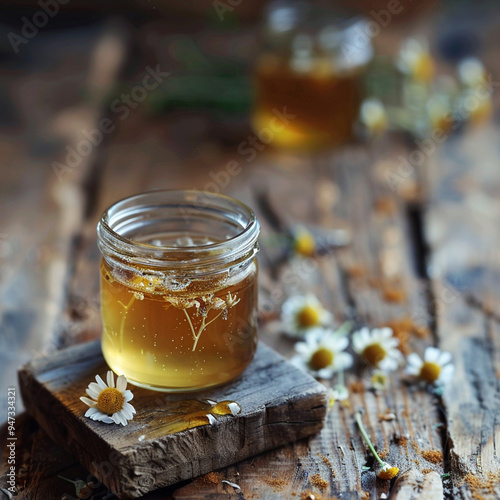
x: 436, y: 367
x: 416, y: 61
x: 301, y: 314
x: 303, y: 242
x: 109, y: 404
x: 322, y: 354
x: 378, y: 347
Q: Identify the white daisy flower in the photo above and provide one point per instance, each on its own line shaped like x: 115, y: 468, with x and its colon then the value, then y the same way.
x: 373, y: 116
x: 322, y: 354
x: 379, y: 380
x: 416, y: 61
x: 379, y: 347
x: 109, y: 404
x: 472, y: 72
x: 436, y: 367
x: 301, y: 314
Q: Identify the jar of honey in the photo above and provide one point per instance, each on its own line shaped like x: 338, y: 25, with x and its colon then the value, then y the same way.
x: 307, y: 75
x: 178, y: 289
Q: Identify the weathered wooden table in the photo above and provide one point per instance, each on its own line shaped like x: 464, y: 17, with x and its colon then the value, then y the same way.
x: 422, y: 259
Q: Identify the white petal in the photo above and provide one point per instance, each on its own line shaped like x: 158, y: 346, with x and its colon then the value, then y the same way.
x: 445, y: 358
x: 92, y: 392
x: 106, y: 419
x: 95, y: 388
x: 325, y: 373
x: 234, y: 408
x: 128, y: 395
x: 116, y: 417
x: 432, y: 354
x: 91, y: 411
x: 414, y: 364
x: 357, y: 343
x: 385, y: 333
x: 110, y: 378
x: 391, y: 343
x: 88, y: 401
x: 129, y: 407
x: 339, y: 343
x: 98, y: 415
x: 302, y: 348
x: 388, y: 364
x: 446, y: 374
x: 326, y: 317
x: 125, y: 412
x: 343, y: 361
x: 100, y: 382
x: 121, y: 383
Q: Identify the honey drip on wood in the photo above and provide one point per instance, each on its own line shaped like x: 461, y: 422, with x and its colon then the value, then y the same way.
x: 191, y: 413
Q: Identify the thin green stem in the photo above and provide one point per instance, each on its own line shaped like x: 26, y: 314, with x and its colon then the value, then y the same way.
x: 366, y: 438
x: 341, y: 377
x: 66, y: 479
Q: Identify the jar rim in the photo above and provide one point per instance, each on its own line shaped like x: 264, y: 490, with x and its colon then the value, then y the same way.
x: 238, y: 247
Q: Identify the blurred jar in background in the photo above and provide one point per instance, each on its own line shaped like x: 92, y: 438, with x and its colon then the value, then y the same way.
x: 307, y: 75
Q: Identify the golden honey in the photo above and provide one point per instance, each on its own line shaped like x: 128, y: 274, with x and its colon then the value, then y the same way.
x: 324, y: 105
x: 171, y: 326
x: 307, y: 75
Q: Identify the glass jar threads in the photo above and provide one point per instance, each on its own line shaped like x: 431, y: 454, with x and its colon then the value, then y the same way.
x: 178, y: 288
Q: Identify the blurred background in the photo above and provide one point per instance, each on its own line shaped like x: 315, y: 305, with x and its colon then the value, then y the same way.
x: 103, y: 99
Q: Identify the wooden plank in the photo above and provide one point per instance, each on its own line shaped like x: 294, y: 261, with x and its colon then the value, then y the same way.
x: 462, y: 233
x: 279, y: 403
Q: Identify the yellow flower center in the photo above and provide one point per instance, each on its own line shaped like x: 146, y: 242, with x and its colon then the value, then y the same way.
x: 374, y: 353
x: 424, y: 68
x: 321, y: 359
x: 388, y: 473
x: 304, y: 244
x: 430, y: 372
x: 110, y: 401
x: 308, y: 316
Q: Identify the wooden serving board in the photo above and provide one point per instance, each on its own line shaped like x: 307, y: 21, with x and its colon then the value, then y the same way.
x: 279, y: 404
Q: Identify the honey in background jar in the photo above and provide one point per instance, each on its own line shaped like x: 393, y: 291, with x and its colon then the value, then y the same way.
x: 309, y: 71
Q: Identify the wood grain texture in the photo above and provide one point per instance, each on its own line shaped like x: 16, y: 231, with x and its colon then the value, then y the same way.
x: 435, y: 265
x: 279, y: 404
x: 463, y: 214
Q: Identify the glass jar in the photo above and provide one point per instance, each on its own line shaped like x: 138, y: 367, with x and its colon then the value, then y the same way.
x: 307, y: 76
x: 178, y: 288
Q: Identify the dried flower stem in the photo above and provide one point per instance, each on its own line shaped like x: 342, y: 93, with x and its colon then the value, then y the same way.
x: 204, y: 324
x: 124, y: 317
